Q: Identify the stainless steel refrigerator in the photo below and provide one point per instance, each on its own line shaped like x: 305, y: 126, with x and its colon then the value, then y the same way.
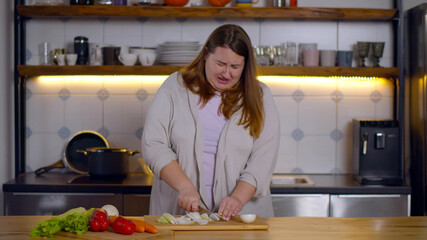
x: 416, y: 75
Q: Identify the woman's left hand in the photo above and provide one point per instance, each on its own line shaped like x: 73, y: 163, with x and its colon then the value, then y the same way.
x: 229, y: 207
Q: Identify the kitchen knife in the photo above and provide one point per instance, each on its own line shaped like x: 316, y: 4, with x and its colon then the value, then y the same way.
x: 204, y: 210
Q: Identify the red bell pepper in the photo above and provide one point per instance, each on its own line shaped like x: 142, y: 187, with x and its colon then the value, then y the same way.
x: 123, y: 226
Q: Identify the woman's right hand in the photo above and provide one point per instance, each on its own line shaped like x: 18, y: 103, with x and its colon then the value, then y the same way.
x: 189, y: 199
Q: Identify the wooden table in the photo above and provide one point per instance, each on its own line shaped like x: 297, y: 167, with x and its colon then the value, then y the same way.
x: 289, y: 228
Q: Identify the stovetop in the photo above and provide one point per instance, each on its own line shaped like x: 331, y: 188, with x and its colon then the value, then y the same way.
x: 86, y: 179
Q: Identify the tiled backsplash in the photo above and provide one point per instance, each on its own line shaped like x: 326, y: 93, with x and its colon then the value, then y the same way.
x: 315, y: 113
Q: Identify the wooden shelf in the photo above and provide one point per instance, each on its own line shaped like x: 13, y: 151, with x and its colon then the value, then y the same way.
x: 30, y: 71
x: 205, y: 12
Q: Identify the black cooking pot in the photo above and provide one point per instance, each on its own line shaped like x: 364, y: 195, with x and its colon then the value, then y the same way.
x: 108, y: 161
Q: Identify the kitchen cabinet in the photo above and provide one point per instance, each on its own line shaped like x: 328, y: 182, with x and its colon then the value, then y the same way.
x: 39, y: 203
x: 136, y: 204
x: 341, y: 205
x: 300, y: 205
x: 369, y: 205
x: 36, y: 203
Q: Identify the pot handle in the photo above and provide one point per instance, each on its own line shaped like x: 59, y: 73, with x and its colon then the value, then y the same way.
x: 82, y: 151
x: 131, y: 153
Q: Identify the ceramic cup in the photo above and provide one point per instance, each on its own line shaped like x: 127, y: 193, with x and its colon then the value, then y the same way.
x: 128, y: 59
x: 344, y: 58
x: 328, y: 58
x: 147, y: 57
x: 301, y: 48
x: 311, y: 57
x: 71, y: 58
x: 60, y: 59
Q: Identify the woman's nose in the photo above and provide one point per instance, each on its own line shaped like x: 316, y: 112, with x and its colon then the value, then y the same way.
x: 226, y: 72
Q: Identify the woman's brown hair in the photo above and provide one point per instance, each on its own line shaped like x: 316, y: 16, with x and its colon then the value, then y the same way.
x: 246, y: 94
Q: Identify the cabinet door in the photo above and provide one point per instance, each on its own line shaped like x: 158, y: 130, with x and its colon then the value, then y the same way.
x: 136, y: 204
x: 368, y: 205
x: 300, y: 205
x: 55, y: 203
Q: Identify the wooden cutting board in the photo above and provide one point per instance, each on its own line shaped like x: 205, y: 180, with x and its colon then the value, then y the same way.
x: 109, y: 234
x: 234, y: 224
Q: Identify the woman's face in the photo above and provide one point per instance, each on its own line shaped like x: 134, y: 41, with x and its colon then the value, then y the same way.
x: 223, y: 68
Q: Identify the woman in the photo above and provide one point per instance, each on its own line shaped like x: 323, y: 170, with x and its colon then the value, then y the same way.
x: 212, y: 132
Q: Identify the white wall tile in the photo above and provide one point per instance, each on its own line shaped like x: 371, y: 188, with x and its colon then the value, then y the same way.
x: 123, y: 32
x: 49, y: 85
x: 353, y: 107
x: 122, y: 114
x: 384, y: 108
x: 316, y: 154
x: 84, y: 85
x: 156, y: 31
x: 317, y: 86
x: 152, y: 85
x: 288, y: 113
x: 198, y: 29
x: 281, y: 86
x: 123, y: 85
x: 82, y: 113
x: 45, y: 113
x: 275, y: 31
x: 43, y: 149
x: 287, y: 155
x: 386, y: 87
x: 356, y: 87
x: 344, y: 154
x: 145, y: 107
x: 317, y: 115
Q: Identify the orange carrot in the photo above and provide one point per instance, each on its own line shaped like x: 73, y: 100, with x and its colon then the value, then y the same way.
x: 147, y: 227
x: 112, y: 219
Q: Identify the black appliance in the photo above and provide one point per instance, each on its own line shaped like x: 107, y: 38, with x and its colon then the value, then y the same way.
x: 415, y: 77
x: 376, y: 152
x: 81, y: 48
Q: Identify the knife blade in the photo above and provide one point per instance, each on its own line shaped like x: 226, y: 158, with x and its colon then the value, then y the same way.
x: 204, y: 210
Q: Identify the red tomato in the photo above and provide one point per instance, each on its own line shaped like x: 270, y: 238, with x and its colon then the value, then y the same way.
x: 98, y: 215
x: 103, y: 224
x: 94, y: 226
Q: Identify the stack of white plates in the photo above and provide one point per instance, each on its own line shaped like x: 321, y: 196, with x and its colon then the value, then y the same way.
x: 178, y: 53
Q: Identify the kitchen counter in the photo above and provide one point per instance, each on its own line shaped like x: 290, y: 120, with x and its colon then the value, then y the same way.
x: 141, y: 184
x: 18, y: 227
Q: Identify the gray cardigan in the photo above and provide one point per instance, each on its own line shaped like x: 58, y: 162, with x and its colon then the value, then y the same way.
x: 173, y: 131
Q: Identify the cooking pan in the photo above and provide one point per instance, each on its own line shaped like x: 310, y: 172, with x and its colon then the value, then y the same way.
x: 108, y: 161
x: 72, y: 159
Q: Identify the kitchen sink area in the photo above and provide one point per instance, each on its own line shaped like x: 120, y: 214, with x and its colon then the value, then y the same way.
x: 280, y: 180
